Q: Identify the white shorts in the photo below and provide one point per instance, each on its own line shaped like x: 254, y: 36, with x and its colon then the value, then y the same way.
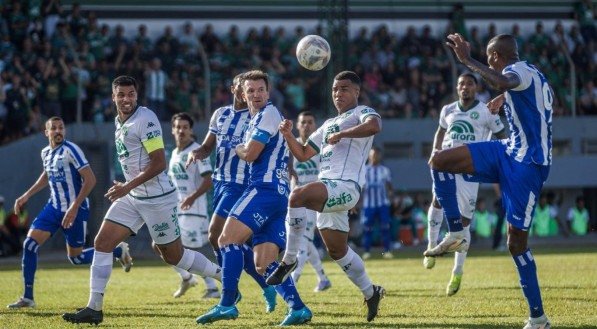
x: 466, y: 193
x: 158, y: 213
x: 311, y: 221
x: 342, y: 196
x: 193, y: 230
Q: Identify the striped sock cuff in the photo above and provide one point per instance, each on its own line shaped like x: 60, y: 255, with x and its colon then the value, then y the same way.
x: 524, y: 259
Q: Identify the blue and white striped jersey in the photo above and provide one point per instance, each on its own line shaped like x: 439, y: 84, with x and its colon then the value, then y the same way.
x: 529, y: 114
x: 376, y: 180
x: 271, y: 166
x: 229, y: 126
x: 62, y: 165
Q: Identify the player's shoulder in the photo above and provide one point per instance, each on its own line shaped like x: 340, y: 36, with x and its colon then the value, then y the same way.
x: 364, y: 110
x: 46, y: 150
x: 71, y: 147
x: 223, y: 110
x: 449, y: 108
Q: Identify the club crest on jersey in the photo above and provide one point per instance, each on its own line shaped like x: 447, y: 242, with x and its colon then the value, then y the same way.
x: 474, y: 115
x: 461, y: 131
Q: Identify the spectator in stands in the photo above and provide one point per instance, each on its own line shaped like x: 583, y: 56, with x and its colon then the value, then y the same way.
x: 588, y: 99
x: 578, y: 217
x: 584, y: 13
x: 209, y: 39
x: 156, y: 81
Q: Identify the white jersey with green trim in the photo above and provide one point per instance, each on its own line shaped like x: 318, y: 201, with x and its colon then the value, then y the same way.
x: 139, y: 134
x: 346, y: 159
x: 473, y: 125
x: 188, y: 180
x: 307, y: 171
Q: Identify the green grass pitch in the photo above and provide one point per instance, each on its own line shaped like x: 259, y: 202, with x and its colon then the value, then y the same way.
x: 490, y: 296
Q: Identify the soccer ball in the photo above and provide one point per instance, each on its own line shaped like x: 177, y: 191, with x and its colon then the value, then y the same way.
x: 313, y: 52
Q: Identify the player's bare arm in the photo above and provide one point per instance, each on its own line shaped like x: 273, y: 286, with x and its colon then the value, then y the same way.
x: 157, y: 164
x: 495, y: 104
x: 249, y: 152
x: 300, y: 152
x: 88, y: 184
x: 496, y: 80
x: 39, y: 184
x: 204, y: 150
x: 370, y: 127
x: 206, y: 184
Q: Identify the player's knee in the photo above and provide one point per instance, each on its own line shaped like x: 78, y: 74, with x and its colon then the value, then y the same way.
x: 516, y: 246
x: 171, y: 259
x: 213, y: 239
x: 336, y: 253
x: 30, y: 245
x: 296, y: 199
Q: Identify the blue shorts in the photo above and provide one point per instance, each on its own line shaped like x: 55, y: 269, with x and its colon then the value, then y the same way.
x: 50, y: 220
x: 226, y: 194
x: 263, y: 209
x: 371, y: 214
x: 520, y: 183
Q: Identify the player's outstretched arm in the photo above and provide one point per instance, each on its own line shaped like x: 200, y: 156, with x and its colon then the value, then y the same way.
x: 157, y: 164
x: 204, y: 150
x: 496, y: 80
x: 370, y: 127
x: 88, y: 184
x: 41, y: 182
x: 300, y: 152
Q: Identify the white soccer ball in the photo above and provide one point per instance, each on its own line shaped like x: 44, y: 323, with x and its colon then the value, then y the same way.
x: 313, y: 52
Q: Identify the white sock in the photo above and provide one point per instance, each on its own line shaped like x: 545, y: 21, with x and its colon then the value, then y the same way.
x: 353, y: 266
x: 210, y: 283
x: 296, y: 222
x: 315, y: 261
x: 301, y: 259
x: 434, y: 223
x: 184, y: 274
x: 101, y: 268
x: 196, y: 263
x: 459, y: 257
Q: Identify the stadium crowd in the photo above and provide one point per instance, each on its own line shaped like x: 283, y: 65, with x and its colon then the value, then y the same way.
x: 50, y: 55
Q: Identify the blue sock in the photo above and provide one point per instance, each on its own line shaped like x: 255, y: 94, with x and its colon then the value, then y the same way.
x: 86, y: 257
x: 218, y: 254
x: 527, y: 271
x: 286, y: 289
x: 249, y: 267
x: 117, y: 252
x: 367, y: 237
x: 232, y: 266
x: 444, y: 186
x: 29, y: 265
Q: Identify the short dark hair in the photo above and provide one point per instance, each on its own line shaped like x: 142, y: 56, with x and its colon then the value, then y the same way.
x: 469, y: 75
x: 238, y: 79
x: 125, y: 80
x: 54, y: 118
x: 256, y: 75
x: 580, y: 198
x: 349, y: 75
x: 306, y: 114
x: 182, y: 116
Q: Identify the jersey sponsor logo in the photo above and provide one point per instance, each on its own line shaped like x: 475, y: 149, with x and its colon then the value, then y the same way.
x: 153, y: 134
x: 230, y: 142
x: 461, y: 130
x: 161, y: 227
x: 150, y: 124
x: 343, y: 198
x: 258, y: 218
x: 121, y: 149
x: 367, y: 110
x: 179, y: 172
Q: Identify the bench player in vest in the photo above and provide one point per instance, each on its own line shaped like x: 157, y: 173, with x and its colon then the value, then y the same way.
x: 464, y: 121
x: 70, y: 178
